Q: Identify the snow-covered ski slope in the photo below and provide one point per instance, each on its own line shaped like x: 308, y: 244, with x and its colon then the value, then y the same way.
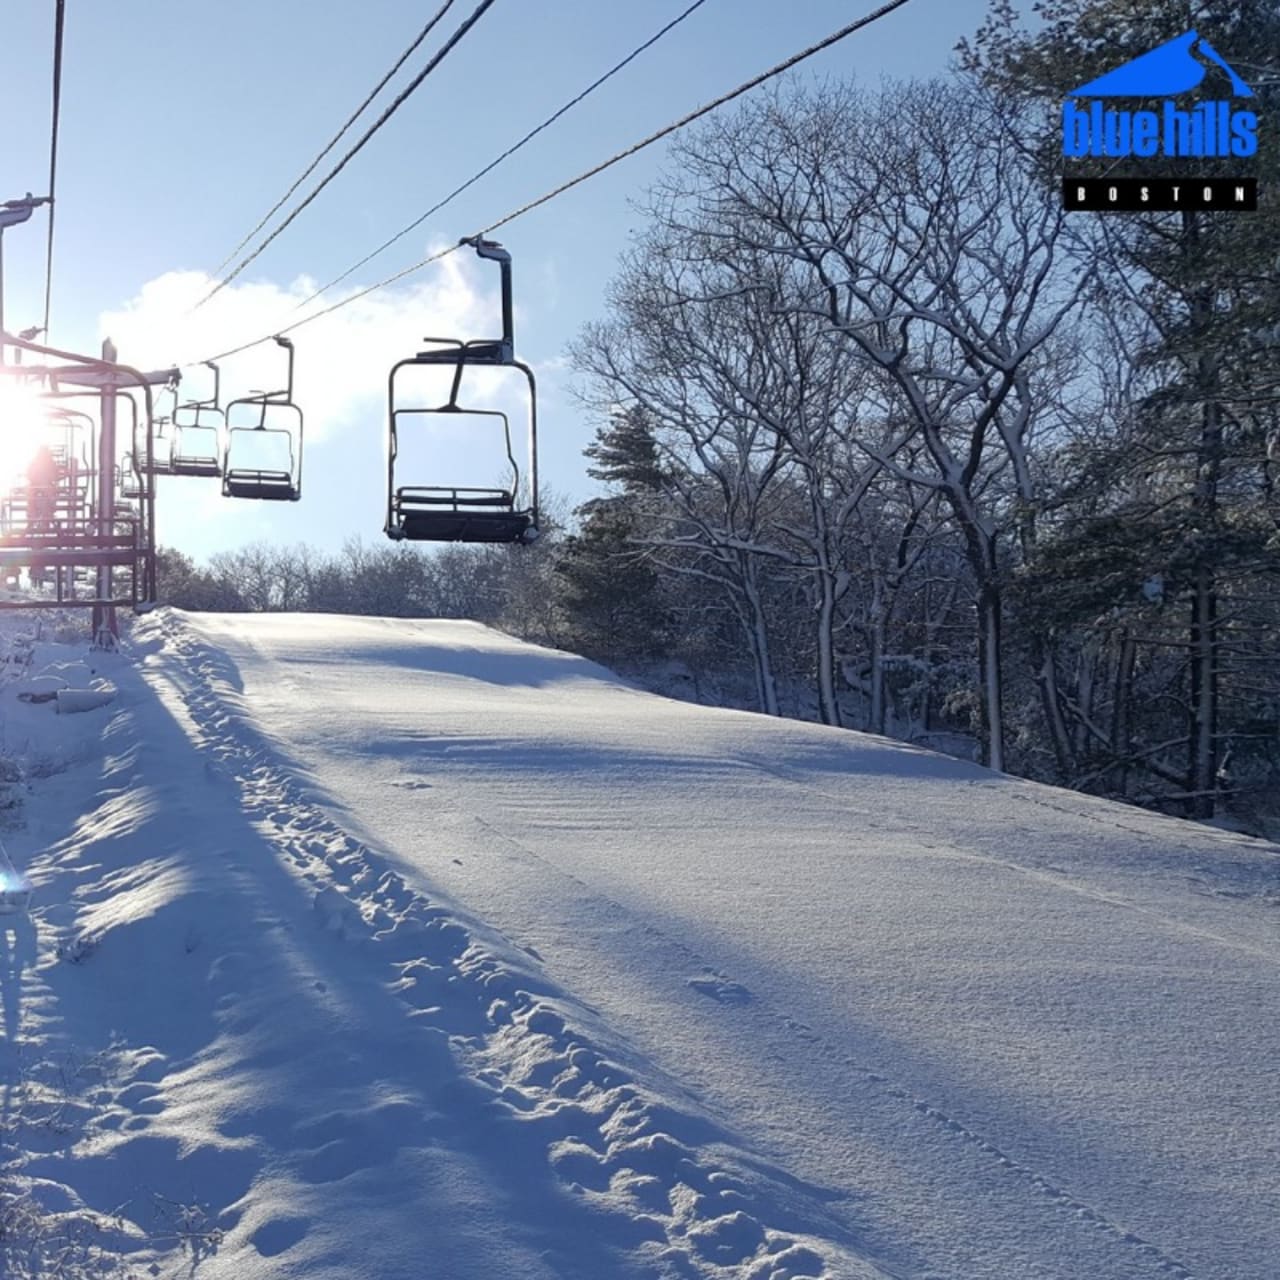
x: 410, y: 950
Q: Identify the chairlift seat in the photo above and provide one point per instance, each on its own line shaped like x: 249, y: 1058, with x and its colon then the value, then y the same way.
x: 438, y: 514
x: 275, y: 486
x: 194, y: 465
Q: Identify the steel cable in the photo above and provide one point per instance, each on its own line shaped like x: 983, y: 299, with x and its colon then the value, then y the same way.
x: 510, y: 151
x: 58, y: 25
x: 874, y: 16
x: 439, y: 57
x: 337, y: 137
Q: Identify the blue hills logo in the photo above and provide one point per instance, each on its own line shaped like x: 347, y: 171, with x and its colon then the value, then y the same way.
x: 1213, y: 128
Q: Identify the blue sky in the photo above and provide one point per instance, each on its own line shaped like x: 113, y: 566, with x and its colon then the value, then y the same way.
x: 183, y: 124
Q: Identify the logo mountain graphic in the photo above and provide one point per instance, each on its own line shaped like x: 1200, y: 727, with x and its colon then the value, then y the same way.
x: 1167, y: 70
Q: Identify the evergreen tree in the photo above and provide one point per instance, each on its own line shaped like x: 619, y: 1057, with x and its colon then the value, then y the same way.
x: 607, y: 586
x: 1186, y: 468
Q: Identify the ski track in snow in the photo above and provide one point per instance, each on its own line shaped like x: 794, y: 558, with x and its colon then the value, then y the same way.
x: 506, y: 1068
x: 593, y: 1167
x: 610, y: 1141
x: 723, y: 988
x: 1249, y: 884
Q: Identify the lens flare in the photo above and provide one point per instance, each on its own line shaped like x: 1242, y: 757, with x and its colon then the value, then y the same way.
x: 23, y: 428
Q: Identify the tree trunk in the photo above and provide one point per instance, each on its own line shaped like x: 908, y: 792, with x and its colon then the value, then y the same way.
x: 1047, y: 683
x: 1202, y: 736
x: 828, y: 703
x: 878, y: 701
x: 981, y: 545
x: 1121, y: 721
x: 1202, y: 768
x: 989, y: 673
x: 758, y: 637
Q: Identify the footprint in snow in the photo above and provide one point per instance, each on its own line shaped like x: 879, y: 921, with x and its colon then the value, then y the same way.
x: 279, y: 1234
x: 722, y: 989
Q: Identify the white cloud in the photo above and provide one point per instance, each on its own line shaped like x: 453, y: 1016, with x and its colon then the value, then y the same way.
x: 342, y: 359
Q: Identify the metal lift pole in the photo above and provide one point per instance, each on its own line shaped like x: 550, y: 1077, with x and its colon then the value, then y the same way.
x: 104, y: 615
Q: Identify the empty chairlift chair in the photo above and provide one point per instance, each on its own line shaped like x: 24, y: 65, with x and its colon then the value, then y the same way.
x: 159, y: 461
x: 153, y: 454
x: 450, y: 513
x: 131, y: 480
x: 197, y: 436
x: 264, y: 457
x: 132, y: 485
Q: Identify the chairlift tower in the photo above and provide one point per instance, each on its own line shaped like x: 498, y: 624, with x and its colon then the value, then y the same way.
x: 110, y: 378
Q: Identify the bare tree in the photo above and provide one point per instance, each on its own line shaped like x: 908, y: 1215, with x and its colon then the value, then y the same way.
x: 914, y: 231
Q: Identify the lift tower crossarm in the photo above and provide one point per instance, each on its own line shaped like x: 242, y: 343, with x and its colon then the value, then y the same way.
x: 13, y: 212
x: 114, y: 377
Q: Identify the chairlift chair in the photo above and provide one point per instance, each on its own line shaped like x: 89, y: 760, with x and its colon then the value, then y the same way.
x: 131, y: 482
x: 153, y: 451
x: 197, y: 442
x: 451, y: 513
x: 278, y: 484
x: 160, y: 461
x: 75, y: 456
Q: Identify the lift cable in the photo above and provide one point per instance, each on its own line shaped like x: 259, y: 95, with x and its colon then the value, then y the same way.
x: 439, y: 57
x: 337, y: 137
x: 510, y: 151
x: 865, y: 21
x: 60, y: 12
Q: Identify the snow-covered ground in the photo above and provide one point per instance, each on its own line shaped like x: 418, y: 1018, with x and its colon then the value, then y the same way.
x: 400, y: 949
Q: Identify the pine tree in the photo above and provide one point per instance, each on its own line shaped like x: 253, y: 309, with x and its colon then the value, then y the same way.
x: 1186, y: 469
x: 608, y: 588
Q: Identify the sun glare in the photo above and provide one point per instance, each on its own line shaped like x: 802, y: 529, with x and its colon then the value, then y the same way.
x: 23, y: 428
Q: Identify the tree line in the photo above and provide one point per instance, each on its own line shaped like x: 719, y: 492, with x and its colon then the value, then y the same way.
x: 890, y: 441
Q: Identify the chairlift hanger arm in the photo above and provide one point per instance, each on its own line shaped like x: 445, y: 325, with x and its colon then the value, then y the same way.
x: 213, y: 401
x: 287, y: 344
x: 217, y: 382
x: 283, y: 396
x: 501, y: 350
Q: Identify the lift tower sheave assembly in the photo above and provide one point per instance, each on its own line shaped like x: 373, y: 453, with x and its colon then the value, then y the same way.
x: 455, y: 513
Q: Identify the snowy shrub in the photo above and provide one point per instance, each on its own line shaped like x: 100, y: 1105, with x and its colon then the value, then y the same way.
x: 186, y: 1226
x: 79, y: 1246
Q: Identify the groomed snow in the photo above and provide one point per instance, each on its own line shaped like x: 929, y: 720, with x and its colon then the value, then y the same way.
x: 366, y: 947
